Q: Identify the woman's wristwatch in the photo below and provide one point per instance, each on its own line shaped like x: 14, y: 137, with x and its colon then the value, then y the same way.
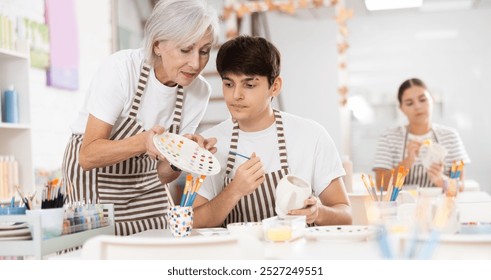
x: 175, y: 168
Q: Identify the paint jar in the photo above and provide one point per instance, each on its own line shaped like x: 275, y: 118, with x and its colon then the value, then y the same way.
x: 284, y: 229
x: 11, y: 106
x: 180, y: 220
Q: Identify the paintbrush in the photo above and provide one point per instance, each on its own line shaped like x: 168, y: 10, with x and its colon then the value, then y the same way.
x: 240, y: 155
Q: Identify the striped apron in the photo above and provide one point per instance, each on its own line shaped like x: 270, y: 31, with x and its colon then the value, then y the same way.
x: 260, y: 204
x: 139, y: 198
x: 417, y: 173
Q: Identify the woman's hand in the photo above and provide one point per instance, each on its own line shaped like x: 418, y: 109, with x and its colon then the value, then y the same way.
x: 413, y: 150
x: 310, y: 210
x: 208, y: 143
x: 436, y: 174
x: 249, y: 176
x: 149, y: 145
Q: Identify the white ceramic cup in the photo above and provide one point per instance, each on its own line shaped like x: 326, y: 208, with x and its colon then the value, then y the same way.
x: 291, y: 194
x: 51, y: 220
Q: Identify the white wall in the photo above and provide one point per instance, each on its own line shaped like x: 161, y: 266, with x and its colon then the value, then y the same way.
x: 53, y: 110
x: 383, y: 52
x: 309, y: 68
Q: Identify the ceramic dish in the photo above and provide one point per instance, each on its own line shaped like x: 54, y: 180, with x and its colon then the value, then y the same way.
x: 475, y: 228
x: 337, y: 233
x: 186, y: 154
x: 253, y: 228
x: 212, y: 231
x: 465, y: 238
x: 24, y: 237
x: 12, y: 225
x: 15, y: 232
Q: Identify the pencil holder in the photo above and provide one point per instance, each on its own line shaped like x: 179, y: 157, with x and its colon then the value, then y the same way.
x: 180, y: 220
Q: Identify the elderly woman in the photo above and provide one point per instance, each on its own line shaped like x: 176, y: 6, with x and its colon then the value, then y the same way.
x: 136, y: 94
x: 400, y: 146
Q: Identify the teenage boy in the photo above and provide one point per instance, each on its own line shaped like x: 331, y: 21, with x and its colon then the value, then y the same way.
x: 259, y: 145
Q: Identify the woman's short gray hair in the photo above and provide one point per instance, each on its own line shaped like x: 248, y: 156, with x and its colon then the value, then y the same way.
x: 182, y: 21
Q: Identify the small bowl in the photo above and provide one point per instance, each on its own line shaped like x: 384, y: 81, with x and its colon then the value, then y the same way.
x: 13, y: 210
x: 253, y: 229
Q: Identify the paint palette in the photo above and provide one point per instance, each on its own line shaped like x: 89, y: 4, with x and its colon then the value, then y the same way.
x: 338, y: 233
x: 186, y: 154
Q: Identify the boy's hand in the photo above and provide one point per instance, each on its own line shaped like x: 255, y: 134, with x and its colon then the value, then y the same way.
x: 249, y: 176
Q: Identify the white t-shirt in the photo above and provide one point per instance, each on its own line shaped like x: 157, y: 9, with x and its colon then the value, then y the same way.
x: 113, y: 88
x: 311, y: 152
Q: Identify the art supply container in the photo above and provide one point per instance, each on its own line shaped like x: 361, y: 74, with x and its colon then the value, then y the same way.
x: 51, y: 221
x: 13, y: 210
x: 180, y: 220
x: 11, y: 106
x: 381, y: 212
x: 285, y: 229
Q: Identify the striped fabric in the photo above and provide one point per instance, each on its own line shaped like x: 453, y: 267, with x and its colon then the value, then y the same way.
x: 260, y: 204
x: 391, y: 151
x: 80, y: 184
x: 176, y: 122
x: 140, y: 201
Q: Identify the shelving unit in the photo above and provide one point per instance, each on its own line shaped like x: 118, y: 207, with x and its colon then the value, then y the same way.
x: 16, y: 139
x: 38, y: 248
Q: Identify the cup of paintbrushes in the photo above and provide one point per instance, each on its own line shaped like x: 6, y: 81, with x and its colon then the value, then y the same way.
x: 180, y: 220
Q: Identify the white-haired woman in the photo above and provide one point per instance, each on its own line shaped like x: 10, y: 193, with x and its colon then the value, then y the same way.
x: 136, y: 94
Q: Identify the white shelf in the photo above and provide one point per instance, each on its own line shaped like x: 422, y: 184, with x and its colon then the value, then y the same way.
x: 14, y: 126
x: 9, y: 54
x: 16, y: 139
x: 38, y: 248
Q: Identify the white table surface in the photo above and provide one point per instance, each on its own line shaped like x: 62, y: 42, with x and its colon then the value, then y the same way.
x: 301, y: 248
x: 473, y: 206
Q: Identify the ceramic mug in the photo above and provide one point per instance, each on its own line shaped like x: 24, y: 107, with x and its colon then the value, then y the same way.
x: 291, y: 193
x: 432, y: 153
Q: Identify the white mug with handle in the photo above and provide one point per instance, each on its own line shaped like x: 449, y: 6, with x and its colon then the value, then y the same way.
x: 291, y: 193
x: 432, y: 153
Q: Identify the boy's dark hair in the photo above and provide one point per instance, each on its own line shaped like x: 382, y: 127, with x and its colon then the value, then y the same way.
x: 250, y: 56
